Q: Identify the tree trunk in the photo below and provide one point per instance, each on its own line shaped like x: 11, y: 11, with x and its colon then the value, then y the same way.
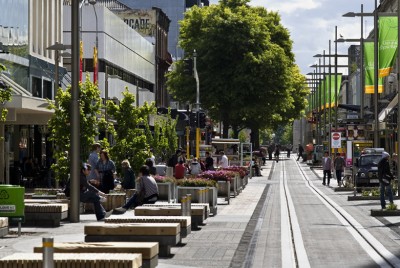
x: 235, y: 130
x: 225, y: 131
x: 255, y: 138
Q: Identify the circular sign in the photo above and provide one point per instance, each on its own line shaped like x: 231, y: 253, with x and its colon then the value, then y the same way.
x: 335, y: 136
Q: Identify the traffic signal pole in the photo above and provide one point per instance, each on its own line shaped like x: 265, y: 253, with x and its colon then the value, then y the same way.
x: 196, y: 76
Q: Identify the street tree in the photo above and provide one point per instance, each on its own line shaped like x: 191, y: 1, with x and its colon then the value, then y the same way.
x: 90, y: 119
x: 5, y: 96
x: 245, y: 65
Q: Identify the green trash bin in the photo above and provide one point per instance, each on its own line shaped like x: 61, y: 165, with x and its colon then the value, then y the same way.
x: 12, y: 202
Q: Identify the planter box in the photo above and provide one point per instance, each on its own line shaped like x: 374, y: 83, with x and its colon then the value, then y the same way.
x: 166, y: 191
x: 384, y: 212
x: 357, y: 197
x: 198, y: 193
x: 224, y: 190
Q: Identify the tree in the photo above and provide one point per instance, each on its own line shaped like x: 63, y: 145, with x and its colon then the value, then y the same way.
x: 245, y: 65
x: 5, y: 96
x: 60, y: 129
x: 133, y: 135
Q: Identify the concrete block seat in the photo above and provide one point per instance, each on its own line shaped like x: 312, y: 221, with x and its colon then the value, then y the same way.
x: 185, y: 221
x: 166, y: 234
x: 45, y: 215
x: 149, y: 250
x: 206, y: 206
x: 3, y: 226
x: 117, y: 260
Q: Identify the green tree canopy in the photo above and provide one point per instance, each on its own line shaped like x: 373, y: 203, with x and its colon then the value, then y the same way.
x: 245, y: 65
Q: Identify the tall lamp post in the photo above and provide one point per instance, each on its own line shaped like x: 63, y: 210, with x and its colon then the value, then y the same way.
x: 196, y: 76
x: 57, y: 47
x: 107, y: 76
x: 93, y: 3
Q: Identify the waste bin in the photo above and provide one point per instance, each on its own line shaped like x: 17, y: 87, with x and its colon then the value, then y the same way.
x: 12, y: 202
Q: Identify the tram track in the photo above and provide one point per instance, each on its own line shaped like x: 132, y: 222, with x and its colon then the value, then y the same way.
x: 382, y: 256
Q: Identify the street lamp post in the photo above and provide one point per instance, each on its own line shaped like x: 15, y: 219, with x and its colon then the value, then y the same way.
x: 107, y: 76
x: 57, y: 47
x: 196, y: 76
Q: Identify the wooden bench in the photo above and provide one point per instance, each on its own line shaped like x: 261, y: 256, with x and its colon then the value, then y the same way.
x: 117, y: 260
x: 3, y: 226
x: 46, y: 215
x: 205, y: 206
x: 114, y: 200
x: 149, y: 250
x: 166, y: 234
x: 185, y: 221
x: 197, y: 217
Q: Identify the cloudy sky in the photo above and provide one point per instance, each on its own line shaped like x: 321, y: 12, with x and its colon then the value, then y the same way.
x: 311, y: 24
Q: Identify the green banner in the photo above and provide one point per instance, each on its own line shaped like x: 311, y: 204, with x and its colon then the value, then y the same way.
x: 369, y: 69
x: 331, y: 85
x: 387, y: 44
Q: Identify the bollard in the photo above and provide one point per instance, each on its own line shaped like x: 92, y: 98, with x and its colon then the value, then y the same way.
x: 48, y: 252
x: 183, y: 205
x: 189, y: 205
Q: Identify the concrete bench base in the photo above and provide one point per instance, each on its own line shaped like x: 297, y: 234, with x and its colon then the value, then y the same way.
x: 185, y: 221
x: 3, y: 226
x: 166, y: 234
x: 149, y: 250
x: 118, y: 260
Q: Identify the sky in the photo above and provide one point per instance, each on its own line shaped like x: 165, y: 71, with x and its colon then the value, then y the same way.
x: 311, y: 24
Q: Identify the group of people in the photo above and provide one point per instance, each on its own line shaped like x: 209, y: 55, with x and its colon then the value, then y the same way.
x: 182, y: 167
x: 385, y: 175
x: 97, y: 178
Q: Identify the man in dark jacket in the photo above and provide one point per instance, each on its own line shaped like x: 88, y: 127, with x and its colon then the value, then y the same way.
x: 301, y: 151
x: 90, y: 194
x: 385, y: 177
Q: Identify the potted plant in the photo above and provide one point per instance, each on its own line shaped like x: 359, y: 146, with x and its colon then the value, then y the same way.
x: 166, y: 187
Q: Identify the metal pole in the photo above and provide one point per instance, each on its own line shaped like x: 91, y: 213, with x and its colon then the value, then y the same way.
x: 48, y: 252
x: 362, y: 82
x: 336, y: 82
x: 56, y: 70
x: 106, y: 99
x: 317, y: 93
x: 376, y: 72
x: 325, y: 97
x: 75, y: 122
x: 320, y: 99
x: 330, y: 98
x: 196, y: 76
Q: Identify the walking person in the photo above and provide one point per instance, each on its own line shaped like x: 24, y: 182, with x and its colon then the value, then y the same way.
x: 223, y: 162
x: 209, y: 162
x: 301, y: 151
x: 385, y: 177
x: 277, y: 152
x: 147, y: 191
x: 339, y: 164
x: 288, y: 149
x: 327, y: 168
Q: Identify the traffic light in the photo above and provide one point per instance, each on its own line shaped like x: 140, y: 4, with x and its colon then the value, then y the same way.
x: 193, y: 119
x: 188, y: 66
x: 202, y: 120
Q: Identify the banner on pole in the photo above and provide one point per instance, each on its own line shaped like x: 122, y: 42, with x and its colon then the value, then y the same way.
x: 387, y: 44
x: 369, y: 69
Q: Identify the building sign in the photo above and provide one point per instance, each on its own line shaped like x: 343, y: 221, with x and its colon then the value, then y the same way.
x: 141, y: 20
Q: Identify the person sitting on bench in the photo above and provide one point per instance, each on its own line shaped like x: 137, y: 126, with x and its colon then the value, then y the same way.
x: 146, y: 191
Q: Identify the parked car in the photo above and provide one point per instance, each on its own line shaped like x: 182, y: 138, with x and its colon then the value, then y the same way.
x: 367, y: 167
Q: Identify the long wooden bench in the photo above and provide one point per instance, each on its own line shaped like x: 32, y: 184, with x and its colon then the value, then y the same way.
x: 149, y: 250
x: 197, y: 216
x: 33, y: 260
x: 166, y: 234
x: 3, y: 226
x: 205, y: 206
x: 46, y: 215
x: 185, y: 221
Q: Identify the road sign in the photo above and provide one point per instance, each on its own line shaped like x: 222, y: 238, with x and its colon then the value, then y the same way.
x: 336, y: 140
